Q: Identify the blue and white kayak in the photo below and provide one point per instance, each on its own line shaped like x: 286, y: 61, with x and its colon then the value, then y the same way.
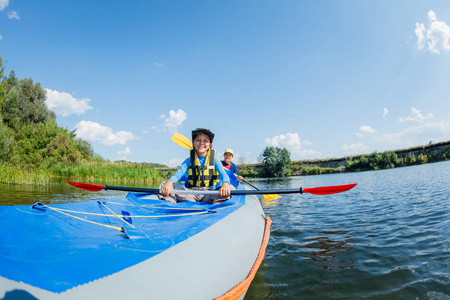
x: 135, y: 247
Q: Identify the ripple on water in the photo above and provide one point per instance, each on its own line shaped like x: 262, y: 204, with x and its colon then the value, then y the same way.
x: 388, y: 238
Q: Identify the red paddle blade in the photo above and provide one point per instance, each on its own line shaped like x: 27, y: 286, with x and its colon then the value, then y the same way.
x: 87, y: 186
x: 326, y: 190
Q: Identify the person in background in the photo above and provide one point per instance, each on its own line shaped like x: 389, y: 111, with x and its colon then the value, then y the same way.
x: 204, y: 171
x: 231, y: 168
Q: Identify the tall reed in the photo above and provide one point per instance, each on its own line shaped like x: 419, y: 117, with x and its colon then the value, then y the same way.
x: 15, y: 174
x: 87, y: 170
x: 118, y: 171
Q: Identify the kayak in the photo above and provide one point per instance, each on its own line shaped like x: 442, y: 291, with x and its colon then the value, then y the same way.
x: 132, y: 248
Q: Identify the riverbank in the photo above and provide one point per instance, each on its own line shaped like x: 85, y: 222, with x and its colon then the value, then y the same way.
x: 433, y: 152
x: 119, y: 171
x: 122, y: 171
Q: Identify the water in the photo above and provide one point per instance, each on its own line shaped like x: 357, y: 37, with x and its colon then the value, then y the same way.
x: 388, y: 238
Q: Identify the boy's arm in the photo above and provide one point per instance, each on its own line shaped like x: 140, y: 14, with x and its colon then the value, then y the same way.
x: 181, y: 170
x: 223, y: 175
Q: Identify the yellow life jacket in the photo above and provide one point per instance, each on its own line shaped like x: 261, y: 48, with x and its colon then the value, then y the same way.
x: 203, y: 176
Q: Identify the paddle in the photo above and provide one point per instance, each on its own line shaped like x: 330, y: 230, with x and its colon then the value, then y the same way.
x: 266, y: 196
x: 182, y: 140
x: 324, y: 190
x: 186, y: 143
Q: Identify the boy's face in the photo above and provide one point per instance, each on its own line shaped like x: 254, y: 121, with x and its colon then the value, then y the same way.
x: 202, y: 144
x: 227, y: 157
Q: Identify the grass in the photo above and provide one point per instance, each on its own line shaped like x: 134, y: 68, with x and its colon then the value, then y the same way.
x: 87, y: 170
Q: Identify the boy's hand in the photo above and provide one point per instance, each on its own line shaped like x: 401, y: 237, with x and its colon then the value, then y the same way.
x: 167, y: 187
x: 224, y: 190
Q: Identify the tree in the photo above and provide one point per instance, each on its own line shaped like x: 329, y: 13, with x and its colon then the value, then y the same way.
x: 276, y: 162
x: 2, y: 84
x: 26, y: 103
x: 29, y: 134
x: 284, y: 163
x: 6, y: 140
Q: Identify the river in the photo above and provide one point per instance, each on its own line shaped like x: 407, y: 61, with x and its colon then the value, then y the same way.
x: 388, y: 238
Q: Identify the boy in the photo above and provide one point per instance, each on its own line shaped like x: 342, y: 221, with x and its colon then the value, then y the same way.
x: 231, y: 168
x: 204, y: 169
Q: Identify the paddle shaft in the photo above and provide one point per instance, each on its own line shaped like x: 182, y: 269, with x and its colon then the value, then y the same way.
x: 324, y: 190
x: 202, y: 192
x: 250, y: 184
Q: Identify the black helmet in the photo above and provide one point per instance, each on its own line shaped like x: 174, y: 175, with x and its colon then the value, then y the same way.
x: 204, y: 131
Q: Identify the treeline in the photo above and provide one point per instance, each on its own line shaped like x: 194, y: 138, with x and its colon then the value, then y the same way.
x: 389, y: 159
x: 33, y: 148
x: 374, y: 161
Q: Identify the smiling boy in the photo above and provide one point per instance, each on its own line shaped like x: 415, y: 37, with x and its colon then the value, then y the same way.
x: 204, y: 169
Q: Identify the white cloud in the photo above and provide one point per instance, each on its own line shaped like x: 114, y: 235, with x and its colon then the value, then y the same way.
x: 415, y: 116
x: 437, y: 36
x: 365, y: 129
x: 354, y: 149
x: 418, y: 135
x: 65, y: 104
x: 158, y: 64
x: 13, y: 15
x: 175, y: 119
x: 125, y: 151
x: 3, y: 4
x: 291, y: 141
x: 94, y: 132
x: 420, y: 30
x: 385, y: 112
x: 174, y: 162
x: 1, y: 37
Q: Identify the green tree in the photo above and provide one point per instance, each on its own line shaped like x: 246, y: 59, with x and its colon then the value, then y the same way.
x: 6, y: 140
x: 276, y: 162
x: 284, y: 163
x: 26, y: 103
x: 2, y: 84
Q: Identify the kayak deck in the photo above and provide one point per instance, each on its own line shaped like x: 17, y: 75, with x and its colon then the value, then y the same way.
x: 59, y: 248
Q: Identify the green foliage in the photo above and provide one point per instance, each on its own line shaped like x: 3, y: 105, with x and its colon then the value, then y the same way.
x: 26, y: 102
x: 276, y: 162
x: 247, y: 171
x: 314, y: 170
x: 2, y: 85
x: 385, y: 160
x: 119, y: 171
x: 422, y: 158
x: 6, y: 142
x: 15, y: 174
x: 45, y: 144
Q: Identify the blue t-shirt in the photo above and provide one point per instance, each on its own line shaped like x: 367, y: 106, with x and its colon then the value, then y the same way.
x: 181, y: 173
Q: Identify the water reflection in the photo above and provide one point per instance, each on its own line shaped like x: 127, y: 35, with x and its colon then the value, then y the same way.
x: 58, y: 191
x: 326, y: 249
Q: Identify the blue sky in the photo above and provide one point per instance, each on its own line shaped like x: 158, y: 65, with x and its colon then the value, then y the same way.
x: 320, y: 78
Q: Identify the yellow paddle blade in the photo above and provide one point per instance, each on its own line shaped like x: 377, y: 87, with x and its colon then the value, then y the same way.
x: 182, y: 141
x: 271, y: 196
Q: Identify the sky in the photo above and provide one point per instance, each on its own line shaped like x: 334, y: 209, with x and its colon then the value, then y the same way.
x: 323, y: 79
